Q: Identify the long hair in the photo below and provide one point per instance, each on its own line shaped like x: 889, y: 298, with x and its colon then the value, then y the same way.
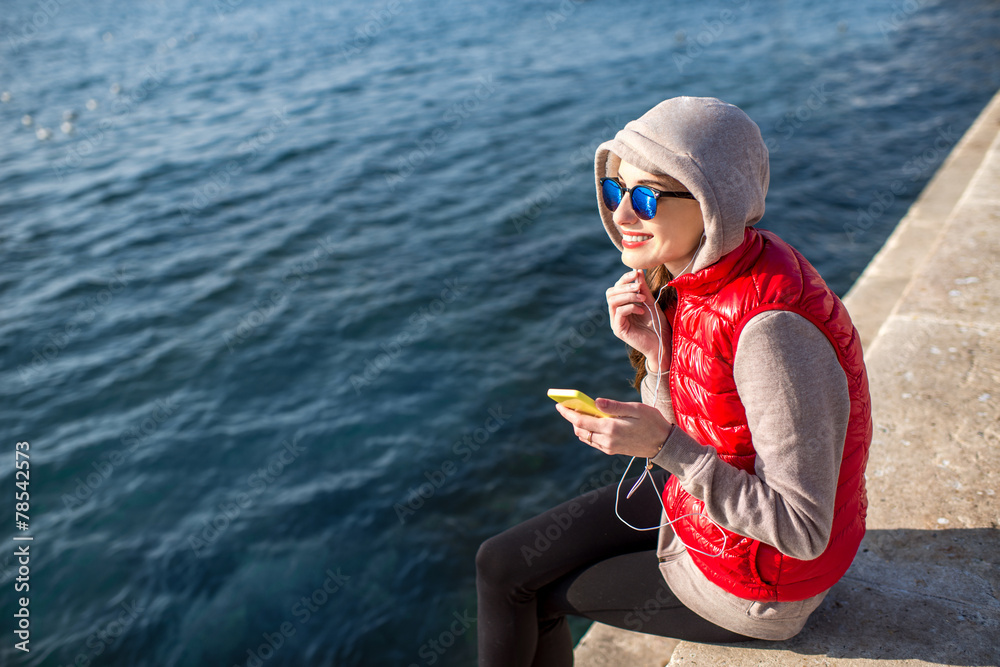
x: 656, y: 278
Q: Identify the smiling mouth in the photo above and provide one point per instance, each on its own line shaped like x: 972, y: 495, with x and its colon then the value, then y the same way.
x: 635, y: 240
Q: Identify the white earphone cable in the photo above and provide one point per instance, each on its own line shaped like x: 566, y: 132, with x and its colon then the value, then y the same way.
x: 658, y: 331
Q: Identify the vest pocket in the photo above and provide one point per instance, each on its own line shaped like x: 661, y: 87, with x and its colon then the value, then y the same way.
x: 776, y: 611
x: 766, y: 563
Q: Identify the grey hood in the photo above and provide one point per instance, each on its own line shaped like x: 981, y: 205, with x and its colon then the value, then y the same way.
x: 713, y: 149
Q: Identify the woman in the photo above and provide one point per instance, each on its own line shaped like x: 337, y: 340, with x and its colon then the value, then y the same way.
x: 755, y: 417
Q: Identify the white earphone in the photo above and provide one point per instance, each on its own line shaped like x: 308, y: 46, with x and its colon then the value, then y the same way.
x: 646, y: 471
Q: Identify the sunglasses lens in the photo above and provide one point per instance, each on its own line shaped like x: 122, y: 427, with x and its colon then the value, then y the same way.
x: 644, y: 203
x: 611, y: 192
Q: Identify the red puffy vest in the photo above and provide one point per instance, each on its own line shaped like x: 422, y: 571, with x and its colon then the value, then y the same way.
x: 713, y: 305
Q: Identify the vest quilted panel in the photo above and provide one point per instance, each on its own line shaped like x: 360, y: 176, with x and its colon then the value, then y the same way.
x: 713, y: 305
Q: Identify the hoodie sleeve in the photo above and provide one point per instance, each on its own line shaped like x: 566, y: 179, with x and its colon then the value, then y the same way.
x: 797, y: 405
x: 648, y: 391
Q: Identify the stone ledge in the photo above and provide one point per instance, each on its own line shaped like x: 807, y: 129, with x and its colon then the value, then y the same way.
x: 883, y: 281
x: 605, y: 646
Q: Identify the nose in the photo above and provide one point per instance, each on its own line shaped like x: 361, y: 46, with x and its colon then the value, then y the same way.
x: 625, y: 214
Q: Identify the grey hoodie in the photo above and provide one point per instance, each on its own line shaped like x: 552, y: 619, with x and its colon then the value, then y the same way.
x: 713, y: 149
x: 787, y: 373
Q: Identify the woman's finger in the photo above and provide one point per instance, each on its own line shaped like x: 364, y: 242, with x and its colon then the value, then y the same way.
x: 624, y: 300
x: 628, y: 277
x: 648, y: 297
x: 616, y: 300
x: 631, y: 324
x: 579, y: 419
x: 644, y: 288
x: 628, y: 292
x: 630, y: 319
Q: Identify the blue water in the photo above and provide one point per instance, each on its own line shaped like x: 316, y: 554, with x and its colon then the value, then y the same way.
x: 280, y: 311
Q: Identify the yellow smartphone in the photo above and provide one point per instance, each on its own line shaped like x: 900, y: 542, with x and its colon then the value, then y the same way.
x: 576, y: 400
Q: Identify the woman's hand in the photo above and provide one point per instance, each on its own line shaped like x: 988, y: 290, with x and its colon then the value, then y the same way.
x: 630, y: 318
x: 634, y: 429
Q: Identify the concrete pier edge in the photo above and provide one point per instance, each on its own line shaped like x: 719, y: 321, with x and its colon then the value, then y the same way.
x: 879, y: 289
x: 924, y: 588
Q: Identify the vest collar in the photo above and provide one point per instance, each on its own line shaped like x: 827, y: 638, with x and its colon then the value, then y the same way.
x: 711, y: 279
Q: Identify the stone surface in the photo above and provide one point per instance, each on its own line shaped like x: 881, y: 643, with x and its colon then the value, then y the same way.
x: 604, y: 646
x: 886, y: 277
x: 925, y: 587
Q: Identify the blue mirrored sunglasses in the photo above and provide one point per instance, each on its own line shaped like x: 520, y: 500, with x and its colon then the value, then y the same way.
x: 643, y: 197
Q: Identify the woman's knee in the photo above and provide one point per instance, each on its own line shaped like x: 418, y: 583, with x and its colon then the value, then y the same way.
x: 497, y: 561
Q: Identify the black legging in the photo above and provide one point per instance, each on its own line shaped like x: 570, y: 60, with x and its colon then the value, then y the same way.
x: 578, y: 559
